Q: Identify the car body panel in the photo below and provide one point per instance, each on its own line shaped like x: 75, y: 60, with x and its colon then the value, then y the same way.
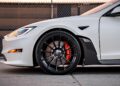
x: 110, y: 43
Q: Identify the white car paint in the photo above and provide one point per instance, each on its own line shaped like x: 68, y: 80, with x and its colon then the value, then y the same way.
x: 100, y: 32
x: 110, y: 37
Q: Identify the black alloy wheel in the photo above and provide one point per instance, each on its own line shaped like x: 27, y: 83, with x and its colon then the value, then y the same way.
x: 58, y: 52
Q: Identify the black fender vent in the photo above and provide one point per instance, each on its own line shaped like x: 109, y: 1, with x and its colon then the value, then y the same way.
x: 83, y: 27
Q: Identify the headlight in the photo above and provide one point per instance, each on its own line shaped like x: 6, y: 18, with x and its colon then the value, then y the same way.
x: 21, y: 31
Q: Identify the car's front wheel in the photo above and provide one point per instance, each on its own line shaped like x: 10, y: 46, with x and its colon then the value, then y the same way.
x: 58, y: 52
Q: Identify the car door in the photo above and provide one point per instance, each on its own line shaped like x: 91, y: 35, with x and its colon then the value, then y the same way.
x: 110, y: 35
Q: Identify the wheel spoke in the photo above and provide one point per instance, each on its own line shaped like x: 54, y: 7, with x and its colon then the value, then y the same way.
x: 50, y: 60
x: 48, y: 45
x: 54, y: 42
x: 59, y: 41
x: 63, y: 45
x: 56, y: 64
x: 46, y: 51
x: 62, y: 63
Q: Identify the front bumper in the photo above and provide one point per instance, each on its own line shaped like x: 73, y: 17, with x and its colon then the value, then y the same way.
x: 23, y: 58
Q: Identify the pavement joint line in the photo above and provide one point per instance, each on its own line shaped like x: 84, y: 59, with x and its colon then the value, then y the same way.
x: 76, y: 80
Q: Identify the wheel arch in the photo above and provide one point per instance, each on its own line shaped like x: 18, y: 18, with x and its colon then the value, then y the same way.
x: 83, y: 46
x: 54, y: 29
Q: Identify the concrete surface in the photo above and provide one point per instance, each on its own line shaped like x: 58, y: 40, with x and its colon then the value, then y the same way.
x: 89, y: 76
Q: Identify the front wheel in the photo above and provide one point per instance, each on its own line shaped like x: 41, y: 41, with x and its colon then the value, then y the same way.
x: 58, y: 52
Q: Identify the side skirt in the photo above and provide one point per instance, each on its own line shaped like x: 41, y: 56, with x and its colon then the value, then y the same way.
x: 110, y: 62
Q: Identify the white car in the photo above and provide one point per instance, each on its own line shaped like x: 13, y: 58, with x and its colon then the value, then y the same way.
x: 59, y: 45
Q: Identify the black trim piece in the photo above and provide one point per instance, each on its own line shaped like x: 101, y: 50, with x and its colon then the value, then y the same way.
x: 2, y: 57
x: 110, y: 62
x: 83, y: 27
x: 90, y: 54
x: 1, y: 47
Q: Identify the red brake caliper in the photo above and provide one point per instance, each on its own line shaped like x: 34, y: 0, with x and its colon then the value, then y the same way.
x: 67, y: 51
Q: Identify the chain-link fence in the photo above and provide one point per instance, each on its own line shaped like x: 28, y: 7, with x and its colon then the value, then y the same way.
x: 15, y: 15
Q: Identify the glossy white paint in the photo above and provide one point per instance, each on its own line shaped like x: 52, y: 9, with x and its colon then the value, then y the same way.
x: 102, y: 31
x: 110, y: 37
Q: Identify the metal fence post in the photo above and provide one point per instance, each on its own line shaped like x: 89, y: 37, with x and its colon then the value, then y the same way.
x: 52, y: 9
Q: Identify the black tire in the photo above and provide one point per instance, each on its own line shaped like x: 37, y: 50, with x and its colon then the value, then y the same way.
x: 58, y: 52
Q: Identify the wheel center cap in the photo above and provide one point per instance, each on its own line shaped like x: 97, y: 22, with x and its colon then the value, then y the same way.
x: 58, y: 53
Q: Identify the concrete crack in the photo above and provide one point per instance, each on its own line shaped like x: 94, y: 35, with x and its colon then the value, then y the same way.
x: 76, y: 80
